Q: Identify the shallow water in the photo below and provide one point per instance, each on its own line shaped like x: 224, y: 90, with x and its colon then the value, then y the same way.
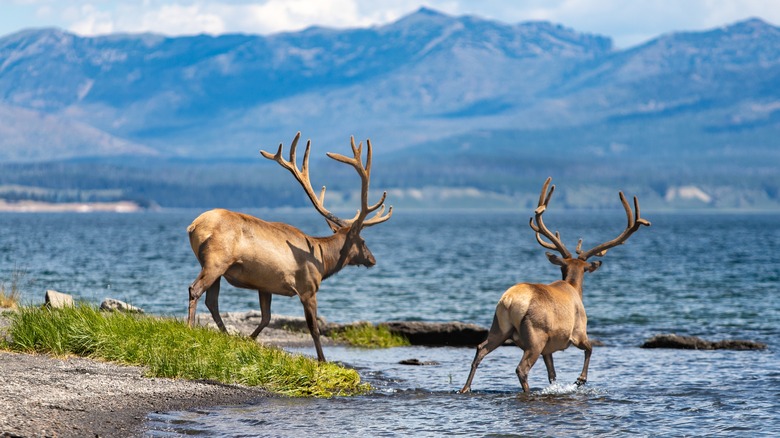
x: 631, y: 391
x: 711, y: 275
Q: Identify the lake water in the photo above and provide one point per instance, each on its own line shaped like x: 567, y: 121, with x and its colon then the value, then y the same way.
x: 710, y: 275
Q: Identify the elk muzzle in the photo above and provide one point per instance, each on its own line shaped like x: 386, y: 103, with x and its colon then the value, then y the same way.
x: 365, y: 258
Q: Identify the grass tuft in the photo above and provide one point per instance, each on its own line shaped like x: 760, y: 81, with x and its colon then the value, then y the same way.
x: 367, y: 335
x: 12, y: 294
x: 169, y: 348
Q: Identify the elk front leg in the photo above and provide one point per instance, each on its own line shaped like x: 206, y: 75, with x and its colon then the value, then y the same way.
x: 310, y: 310
x: 265, y: 311
x: 588, y: 348
x: 548, y: 362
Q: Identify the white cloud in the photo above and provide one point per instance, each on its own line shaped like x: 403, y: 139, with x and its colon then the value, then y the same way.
x: 628, y: 22
x: 28, y: 2
x: 177, y: 19
x: 91, y: 21
x: 215, y: 17
x: 280, y: 15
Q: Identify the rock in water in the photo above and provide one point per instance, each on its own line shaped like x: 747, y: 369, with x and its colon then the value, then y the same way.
x: 416, y: 361
x: 695, y: 343
x: 434, y: 333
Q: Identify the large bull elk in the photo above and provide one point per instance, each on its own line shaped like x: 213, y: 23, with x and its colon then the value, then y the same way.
x: 277, y: 258
x: 545, y: 318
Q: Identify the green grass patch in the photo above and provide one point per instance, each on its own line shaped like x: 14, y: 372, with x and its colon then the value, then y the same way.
x: 367, y: 335
x: 169, y: 348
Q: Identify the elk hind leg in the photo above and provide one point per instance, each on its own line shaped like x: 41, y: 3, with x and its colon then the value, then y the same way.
x: 526, y: 363
x: 494, y: 339
x: 212, y: 302
x: 265, y: 312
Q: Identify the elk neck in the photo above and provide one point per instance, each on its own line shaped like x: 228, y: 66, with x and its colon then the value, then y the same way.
x: 329, y: 250
x: 574, y: 275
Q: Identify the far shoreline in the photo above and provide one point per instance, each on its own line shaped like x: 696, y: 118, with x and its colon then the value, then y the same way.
x: 69, y: 207
x: 28, y: 206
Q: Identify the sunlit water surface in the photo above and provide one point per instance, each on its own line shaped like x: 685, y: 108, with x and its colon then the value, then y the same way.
x: 711, y: 275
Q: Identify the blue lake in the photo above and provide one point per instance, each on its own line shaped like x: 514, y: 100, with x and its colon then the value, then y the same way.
x: 705, y: 274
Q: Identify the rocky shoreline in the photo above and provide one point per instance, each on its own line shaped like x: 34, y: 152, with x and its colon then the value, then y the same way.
x: 77, y: 397
x: 292, y: 331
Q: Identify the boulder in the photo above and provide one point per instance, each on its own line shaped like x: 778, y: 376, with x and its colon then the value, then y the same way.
x: 249, y: 320
x: 58, y: 300
x: 737, y: 344
x: 695, y: 343
x: 439, y: 333
x: 284, y: 322
x: 110, y: 304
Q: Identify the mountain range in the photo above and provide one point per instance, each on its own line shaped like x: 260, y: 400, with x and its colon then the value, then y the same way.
x: 453, y: 105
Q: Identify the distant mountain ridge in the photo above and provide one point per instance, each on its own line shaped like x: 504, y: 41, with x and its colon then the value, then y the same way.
x: 513, y: 100
x: 135, y: 86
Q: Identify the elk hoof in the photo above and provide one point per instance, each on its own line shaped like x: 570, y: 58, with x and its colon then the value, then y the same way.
x: 580, y: 381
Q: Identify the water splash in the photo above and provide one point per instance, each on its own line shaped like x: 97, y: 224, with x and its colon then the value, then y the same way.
x: 557, y: 388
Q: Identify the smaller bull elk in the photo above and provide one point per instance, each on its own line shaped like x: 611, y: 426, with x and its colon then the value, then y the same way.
x: 545, y: 318
x: 276, y: 258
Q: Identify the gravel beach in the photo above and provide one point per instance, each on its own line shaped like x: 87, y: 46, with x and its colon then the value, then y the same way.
x: 76, y: 397
x: 43, y: 396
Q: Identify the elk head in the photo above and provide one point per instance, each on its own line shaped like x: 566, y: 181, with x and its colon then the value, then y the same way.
x: 572, y: 268
x: 354, y: 251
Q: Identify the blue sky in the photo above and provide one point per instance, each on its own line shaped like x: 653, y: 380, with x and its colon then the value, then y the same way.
x: 628, y: 22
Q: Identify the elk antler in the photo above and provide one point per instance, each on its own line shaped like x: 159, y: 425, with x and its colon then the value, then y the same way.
x: 365, y: 178
x: 634, y: 222
x: 302, y: 176
x: 541, y: 229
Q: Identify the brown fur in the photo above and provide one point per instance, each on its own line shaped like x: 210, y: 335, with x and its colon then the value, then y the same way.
x: 541, y: 319
x: 277, y: 258
x: 269, y: 257
x: 545, y: 318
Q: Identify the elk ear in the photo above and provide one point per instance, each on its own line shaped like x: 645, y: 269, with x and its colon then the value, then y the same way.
x: 554, y: 259
x: 333, y: 226
x: 593, y: 266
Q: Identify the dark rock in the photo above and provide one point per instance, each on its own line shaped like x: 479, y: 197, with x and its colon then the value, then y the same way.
x: 437, y: 334
x: 737, y: 344
x: 418, y: 362
x: 695, y: 343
